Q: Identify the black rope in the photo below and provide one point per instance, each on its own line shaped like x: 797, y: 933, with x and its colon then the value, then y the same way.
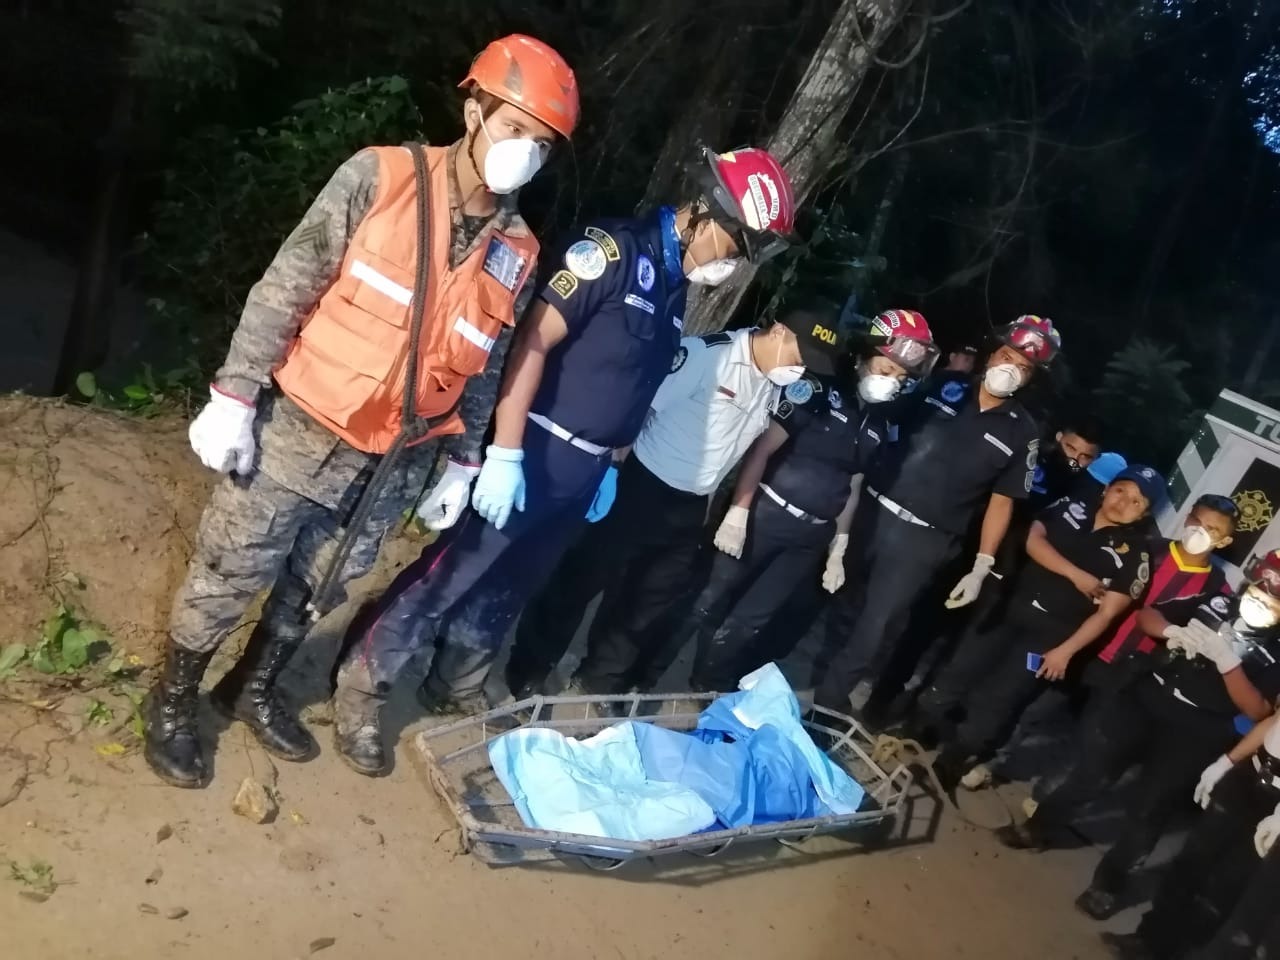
x: 412, y: 427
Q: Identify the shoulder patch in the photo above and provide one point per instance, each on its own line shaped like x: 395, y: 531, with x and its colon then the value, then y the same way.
x: 953, y: 391
x: 645, y: 273
x: 1033, y: 452
x: 800, y: 392
x: 1220, y: 605
x: 785, y: 409
x: 585, y: 259
x: 717, y: 339
x: 834, y: 398
x: 1144, y: 572
x: 1135, y: 591
x: 563, y: 283
x: 681, y: 356
x: 607, y: 243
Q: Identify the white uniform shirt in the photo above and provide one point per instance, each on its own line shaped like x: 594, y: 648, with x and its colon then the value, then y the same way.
x: 707, y: 412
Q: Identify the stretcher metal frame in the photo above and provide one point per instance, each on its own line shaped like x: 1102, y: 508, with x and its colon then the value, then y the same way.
x: 454, y: 760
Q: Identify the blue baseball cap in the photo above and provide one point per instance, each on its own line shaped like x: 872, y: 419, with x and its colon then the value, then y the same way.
x: 1147, y: 479
x: 1107, y: 467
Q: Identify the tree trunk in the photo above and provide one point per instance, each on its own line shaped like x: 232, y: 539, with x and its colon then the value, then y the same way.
x: 704, y: 119
x: 880, y: 223
x: 805, y: 141
x: 88, y: 334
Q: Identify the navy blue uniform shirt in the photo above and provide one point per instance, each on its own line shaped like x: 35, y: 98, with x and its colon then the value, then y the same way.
x: 621, y: 290
x: 1196, y: 680
x: 830, y: 440
x: 1116, y: 554
x: 951, y: 456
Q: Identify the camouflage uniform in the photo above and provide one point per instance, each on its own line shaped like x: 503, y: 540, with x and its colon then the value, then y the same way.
x: 278, y: 527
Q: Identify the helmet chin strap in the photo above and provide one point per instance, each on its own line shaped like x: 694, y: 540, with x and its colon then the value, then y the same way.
x: 471, y: 155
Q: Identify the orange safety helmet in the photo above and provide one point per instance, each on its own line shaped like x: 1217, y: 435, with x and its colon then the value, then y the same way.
x: 530, y: 75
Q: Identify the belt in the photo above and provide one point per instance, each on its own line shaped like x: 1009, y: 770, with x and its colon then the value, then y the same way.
x: 901, y: 512
x: 1267, y: 767
x: 556, y: 430
x: 790, y: 507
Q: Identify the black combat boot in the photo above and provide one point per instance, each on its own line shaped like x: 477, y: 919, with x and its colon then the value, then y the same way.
x: 248, y: 694
x: 357, y: 734
x: 171, y: 738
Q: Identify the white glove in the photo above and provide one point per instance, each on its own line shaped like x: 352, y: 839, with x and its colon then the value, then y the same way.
x: 733, y: 532
x: 1179, y: 640
x: 441, y: 508
x: 222, y: 434
x: 833, y: 575
x: 1207, y: 642
x: 1209, y: 779
x: 970, y: 585
x: 1268, y: 829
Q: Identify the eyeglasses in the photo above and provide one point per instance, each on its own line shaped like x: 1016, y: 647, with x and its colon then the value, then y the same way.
x: 1219, y: 504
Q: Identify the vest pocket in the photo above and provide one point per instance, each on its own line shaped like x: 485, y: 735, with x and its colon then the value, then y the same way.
x: 472, y: 329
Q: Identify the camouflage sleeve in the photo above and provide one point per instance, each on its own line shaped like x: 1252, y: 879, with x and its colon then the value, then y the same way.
x: 303, y: 268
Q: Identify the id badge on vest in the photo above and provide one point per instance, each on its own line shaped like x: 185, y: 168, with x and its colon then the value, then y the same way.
x: 503, y: 263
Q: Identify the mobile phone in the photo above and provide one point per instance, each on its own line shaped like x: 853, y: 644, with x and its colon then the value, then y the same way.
x: 1034, y: 662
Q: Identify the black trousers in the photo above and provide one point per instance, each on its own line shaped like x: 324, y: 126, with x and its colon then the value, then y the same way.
x: 1218, y: 899
x: 976, y: 656
x: 998, y: 687
x: 1143, y: 726
x: 642, y: 556
x: 889, y: 565
x: 743, y: 595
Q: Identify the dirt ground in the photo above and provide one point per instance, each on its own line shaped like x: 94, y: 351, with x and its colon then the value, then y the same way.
x: 352, y: 867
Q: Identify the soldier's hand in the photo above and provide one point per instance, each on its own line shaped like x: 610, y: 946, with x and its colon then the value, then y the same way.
x: 222, y: 434
x: 441, y: 508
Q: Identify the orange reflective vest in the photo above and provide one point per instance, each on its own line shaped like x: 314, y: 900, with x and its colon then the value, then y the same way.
x: 346, y: 368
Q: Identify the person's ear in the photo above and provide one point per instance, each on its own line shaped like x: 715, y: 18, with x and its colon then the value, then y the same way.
x: 471, y: 114
x: 1226, y: 542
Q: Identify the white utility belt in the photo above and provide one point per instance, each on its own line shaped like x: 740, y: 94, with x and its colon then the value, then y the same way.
x: 790, y: 507
x: 901, y: 512
x: 556, y: 430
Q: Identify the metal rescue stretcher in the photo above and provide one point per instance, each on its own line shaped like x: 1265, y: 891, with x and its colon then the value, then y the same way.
x: 454, y: 759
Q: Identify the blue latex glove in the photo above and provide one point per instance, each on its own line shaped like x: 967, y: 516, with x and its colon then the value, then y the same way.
x: 606, y: 493
x: 500, y: 485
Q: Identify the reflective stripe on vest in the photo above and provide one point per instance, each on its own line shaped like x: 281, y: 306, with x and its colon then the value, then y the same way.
x: 346, y: 368
x: 382, y: 283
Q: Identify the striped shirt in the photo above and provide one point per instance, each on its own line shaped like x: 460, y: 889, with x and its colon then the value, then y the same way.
x: 1171, y: 578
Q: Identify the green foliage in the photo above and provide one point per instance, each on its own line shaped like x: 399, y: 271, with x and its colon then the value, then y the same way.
x: 67, y: 644
x: 1144, y: 404
x: 10, y: 658
x: 98, y: 714
x: 192, y: 45
x: 135, y: 696
x: 231, y: 197
x: 37, y: 875
x: 147, y: 393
